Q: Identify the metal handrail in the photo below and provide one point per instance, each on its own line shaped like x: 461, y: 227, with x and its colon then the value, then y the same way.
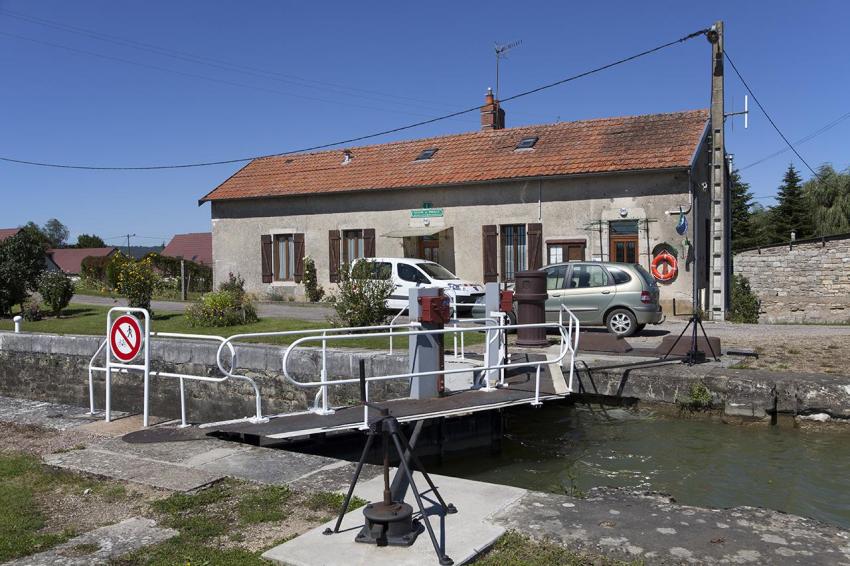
x: 573, y: 320
x: 179, y: 376
x: 565, y: 347
x: 321, y: 334
x: 392, y: 323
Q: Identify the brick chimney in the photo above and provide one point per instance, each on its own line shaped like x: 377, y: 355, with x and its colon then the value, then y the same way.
x: 492, y: 117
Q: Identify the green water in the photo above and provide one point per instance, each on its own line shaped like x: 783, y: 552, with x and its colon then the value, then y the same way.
x: 565, y: 449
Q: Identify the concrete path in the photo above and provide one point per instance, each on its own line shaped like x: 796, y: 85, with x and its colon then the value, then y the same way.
x: 100, y: 546
x: 462, y: 535
x: 651, y: 527
x: 296, y: 311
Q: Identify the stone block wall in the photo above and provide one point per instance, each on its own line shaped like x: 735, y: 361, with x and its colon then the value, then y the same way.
x: 808, y: 282
x: 55, y: 368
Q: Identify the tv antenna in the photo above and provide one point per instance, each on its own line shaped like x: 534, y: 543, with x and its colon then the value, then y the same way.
x: 502, y: 53
x: 745, y: 113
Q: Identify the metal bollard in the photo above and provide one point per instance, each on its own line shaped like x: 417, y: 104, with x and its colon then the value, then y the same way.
x: 18, y: 320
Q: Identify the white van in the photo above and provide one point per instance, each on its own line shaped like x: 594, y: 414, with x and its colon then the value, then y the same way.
x: 407, y: 273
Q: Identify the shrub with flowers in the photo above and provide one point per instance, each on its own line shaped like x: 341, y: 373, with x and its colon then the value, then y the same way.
x: 137, y: 281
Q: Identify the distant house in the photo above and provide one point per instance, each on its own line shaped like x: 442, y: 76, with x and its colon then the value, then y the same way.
x: 8, y: 233
x: 69, y: 260
x: 196, y: 247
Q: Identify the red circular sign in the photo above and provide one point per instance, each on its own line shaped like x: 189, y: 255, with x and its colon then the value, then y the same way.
x: 125, y: 338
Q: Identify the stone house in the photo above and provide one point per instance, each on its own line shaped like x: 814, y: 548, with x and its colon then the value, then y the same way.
x: 484, y: 204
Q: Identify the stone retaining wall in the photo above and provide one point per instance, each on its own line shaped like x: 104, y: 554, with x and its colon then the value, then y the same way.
x: 55, y: 368
x: 806, y: 282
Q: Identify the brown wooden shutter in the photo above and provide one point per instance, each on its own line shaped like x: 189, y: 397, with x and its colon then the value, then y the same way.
x: 490, y: 243
x: 333, y: 255
x: 369, y: 242
x: 298, y: 245
x: 535, y: 246
x: 266, y: 257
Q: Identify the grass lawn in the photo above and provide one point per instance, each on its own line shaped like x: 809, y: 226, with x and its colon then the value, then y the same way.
x: 166, y: 295
x: 89, y: 319
x: 515, y: 549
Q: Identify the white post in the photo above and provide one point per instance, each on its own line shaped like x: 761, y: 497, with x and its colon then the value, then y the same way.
x: 108, y: 402
x: 182, y: 406
x: 147, y: 370
x: 537, y: 387
x: 18, y: 320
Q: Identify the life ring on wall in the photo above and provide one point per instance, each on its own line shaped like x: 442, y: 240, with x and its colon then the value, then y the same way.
x: 665, y: 266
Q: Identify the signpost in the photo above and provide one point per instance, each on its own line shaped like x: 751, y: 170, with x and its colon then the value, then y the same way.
x: 126, y: 339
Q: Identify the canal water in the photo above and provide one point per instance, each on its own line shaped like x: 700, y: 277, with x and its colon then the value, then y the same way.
x: 569, y: 449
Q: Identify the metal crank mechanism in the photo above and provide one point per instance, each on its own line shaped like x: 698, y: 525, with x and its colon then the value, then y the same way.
x: 389, y: 522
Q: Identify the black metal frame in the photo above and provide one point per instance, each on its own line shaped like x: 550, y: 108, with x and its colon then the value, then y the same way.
x: 389, y: 428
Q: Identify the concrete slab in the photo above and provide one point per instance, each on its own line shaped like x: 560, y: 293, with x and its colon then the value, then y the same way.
x: 465, y: 534
x: 50, y: 415
x: 119, y: 426
x: 651, y: 527
x: 108, y: 543
x: 131, y: 468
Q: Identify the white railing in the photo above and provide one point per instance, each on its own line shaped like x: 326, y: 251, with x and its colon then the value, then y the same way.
x: 181, y: 377
x: 393, y: 323
x: 566, y: 346
x: 574, y: 327
x: 319, y: 334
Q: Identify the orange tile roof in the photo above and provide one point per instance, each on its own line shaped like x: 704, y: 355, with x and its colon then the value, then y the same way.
x: 196, y: 246
x: 606, y: 145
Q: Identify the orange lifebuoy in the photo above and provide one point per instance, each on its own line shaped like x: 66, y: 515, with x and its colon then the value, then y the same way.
x: 664, y: 266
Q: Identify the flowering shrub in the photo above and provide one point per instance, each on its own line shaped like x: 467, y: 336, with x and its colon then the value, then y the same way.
x: 228, y: 306
x: 361, y: 300
x: 137, y: 281
x: 56, y: 289
x: 312, y: 289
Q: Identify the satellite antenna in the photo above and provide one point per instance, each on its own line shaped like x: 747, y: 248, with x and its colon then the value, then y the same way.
x: 501, y: 53
x: 745, y: 113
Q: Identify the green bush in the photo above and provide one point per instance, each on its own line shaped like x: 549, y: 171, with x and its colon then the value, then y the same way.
x: 361, y: 300
x: 56, y: 290
x: 31, y: 311
x: 198, y: 276
x: 312, y: 289
x: 228, y: 306
x: 745, y: 303
x: 21, y: 264
x: 138, y: 282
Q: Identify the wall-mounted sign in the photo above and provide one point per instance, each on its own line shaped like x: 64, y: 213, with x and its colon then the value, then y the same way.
x: 426, y: 213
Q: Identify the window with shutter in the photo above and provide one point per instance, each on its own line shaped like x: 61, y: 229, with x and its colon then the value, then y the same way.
x: 490, y: 248
x: 535, y: 246
x: 266, y: 258
x: 333, y: 256
x: 298, y: 272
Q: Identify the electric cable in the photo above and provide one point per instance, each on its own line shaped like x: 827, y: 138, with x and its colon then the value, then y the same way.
x: 766, y: 115
x: 357, y: 138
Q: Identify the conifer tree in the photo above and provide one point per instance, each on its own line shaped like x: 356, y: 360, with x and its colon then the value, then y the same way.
x: 792, y: 211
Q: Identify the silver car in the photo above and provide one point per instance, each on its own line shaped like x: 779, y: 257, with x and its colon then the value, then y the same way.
x: 620, y: 296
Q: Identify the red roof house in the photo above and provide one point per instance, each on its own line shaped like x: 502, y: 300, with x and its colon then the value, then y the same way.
x: 196, y: 246
x: 70, y: 260
x: 8, y: 233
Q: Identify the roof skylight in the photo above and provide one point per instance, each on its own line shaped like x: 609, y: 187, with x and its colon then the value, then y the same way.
x: 527, y: 143
x: 426, y: 154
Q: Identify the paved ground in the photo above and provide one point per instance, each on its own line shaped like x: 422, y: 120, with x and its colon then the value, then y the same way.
x: 297, y: 311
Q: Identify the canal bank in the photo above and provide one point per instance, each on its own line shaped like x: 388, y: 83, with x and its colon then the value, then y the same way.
x: 610, y: 523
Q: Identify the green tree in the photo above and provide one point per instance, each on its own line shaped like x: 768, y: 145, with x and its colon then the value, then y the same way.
x: 792, y: 211
x: 90, y: 241
x: 761, y: 226
x: 741, y: 204
x: 22, y: 260
x: 56, y: 289
x: 56, y: 232
x: 829, y: 194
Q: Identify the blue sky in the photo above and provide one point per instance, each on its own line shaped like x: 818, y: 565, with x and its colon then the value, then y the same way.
x: 197, y: 81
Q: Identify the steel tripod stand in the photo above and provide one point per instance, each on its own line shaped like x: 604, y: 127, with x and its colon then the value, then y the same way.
x: 391, y: 522
x: 694, y: 355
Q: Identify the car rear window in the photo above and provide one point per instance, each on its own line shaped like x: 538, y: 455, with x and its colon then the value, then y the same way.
x: 647, y: 278
x: 620, y: 276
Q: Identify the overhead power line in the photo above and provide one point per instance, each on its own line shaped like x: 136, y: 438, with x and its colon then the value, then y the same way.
x: 363, y: 137
x: 816, y: 133
x: 766, y: 115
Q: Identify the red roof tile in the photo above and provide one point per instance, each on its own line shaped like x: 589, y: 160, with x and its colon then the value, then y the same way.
x: 8, y: 233
x: 70, y: 260
x: 607, y: 145
x: 196, y: 247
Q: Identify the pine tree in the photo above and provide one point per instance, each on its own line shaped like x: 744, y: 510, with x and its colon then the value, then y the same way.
x: 741, y: 203
x: 792, y: 211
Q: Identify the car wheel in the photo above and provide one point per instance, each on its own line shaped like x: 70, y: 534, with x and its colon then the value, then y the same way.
x: 621, y: 322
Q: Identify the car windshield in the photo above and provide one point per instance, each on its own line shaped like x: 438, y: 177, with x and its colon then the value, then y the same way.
x: 436, y: 271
